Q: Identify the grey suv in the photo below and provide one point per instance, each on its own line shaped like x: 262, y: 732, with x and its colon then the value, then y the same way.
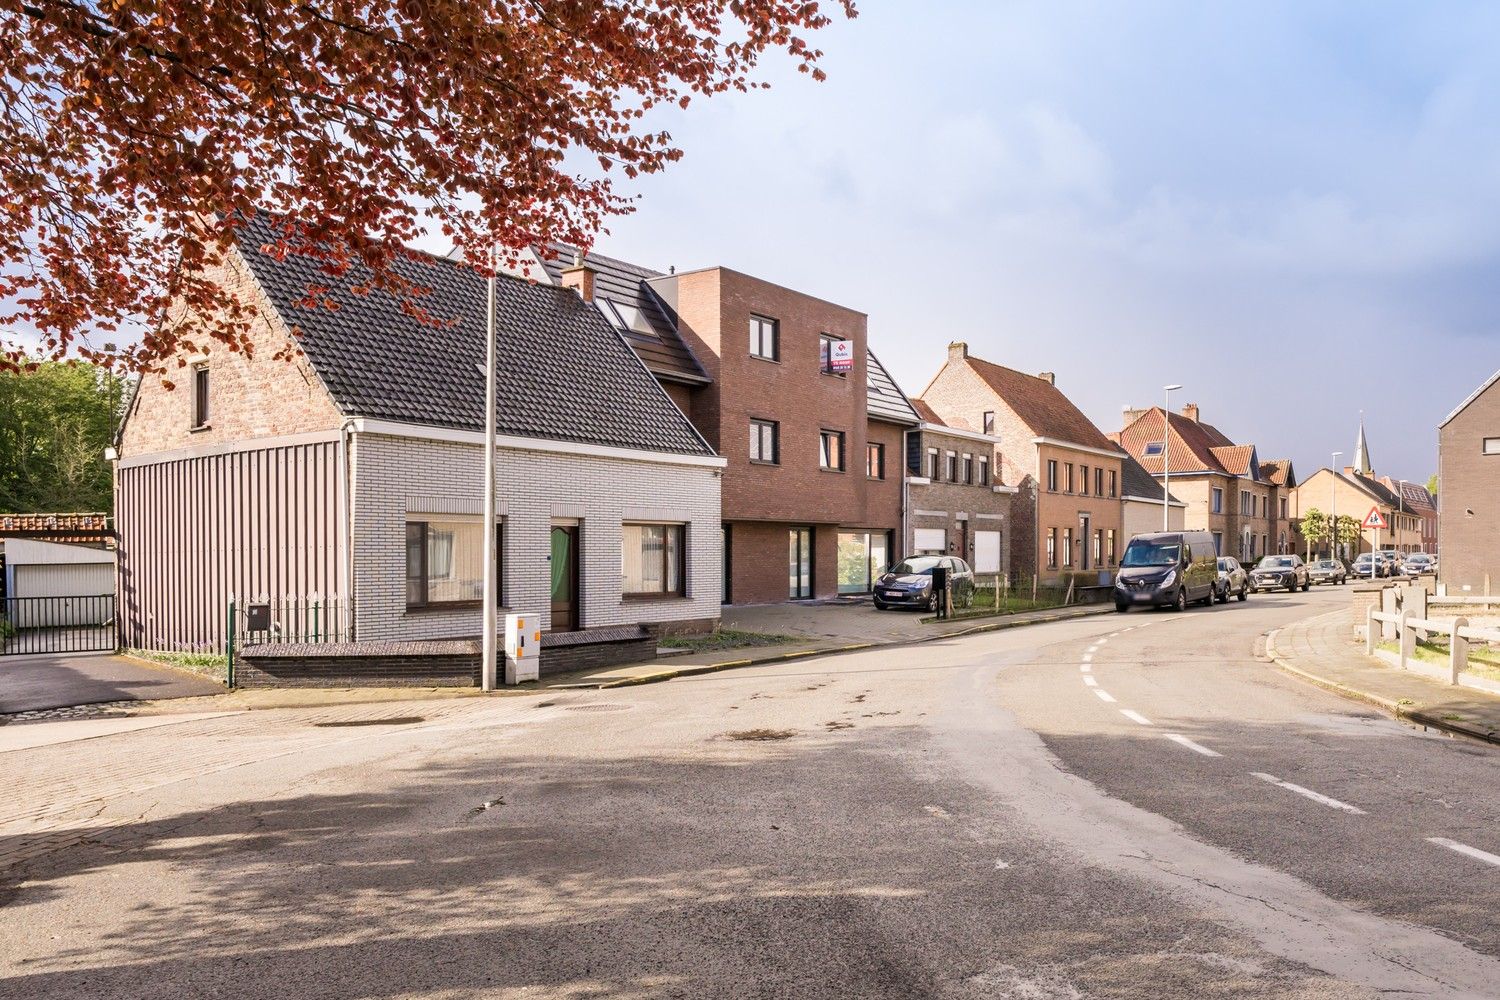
x: 1279, y: 573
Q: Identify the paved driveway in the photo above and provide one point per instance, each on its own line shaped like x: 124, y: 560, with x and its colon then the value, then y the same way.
x: 59, y: 680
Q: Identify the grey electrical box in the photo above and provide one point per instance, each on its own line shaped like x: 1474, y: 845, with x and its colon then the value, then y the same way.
x: 258, y: 618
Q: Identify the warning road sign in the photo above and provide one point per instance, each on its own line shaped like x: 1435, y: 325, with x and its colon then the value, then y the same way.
x: 1374, y: 519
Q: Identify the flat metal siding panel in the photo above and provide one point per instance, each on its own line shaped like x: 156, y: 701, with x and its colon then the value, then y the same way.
x: 65, y: 580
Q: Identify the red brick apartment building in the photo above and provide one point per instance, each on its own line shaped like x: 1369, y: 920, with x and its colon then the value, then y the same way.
x: 1468, y: 486
x: 1066, y: 514
x: 812, y: 494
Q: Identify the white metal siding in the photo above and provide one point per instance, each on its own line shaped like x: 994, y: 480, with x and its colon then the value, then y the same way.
x: 986, y: 551
x: 930, y: 540
x: 65, y: 580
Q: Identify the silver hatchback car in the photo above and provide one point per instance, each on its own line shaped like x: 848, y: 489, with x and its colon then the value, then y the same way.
x: 1232, y: 580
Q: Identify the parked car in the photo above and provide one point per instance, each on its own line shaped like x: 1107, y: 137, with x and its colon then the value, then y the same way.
x: 1279, y: 573
x: 1370, y: 566
x: 1418, y: 563
x: 1232, y: 579
x: 909, y: 583
x: 1167, y: 570
x: 1395, y: 562
x: 1327, y: 571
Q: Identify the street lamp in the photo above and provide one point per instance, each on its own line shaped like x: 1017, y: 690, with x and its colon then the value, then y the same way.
x: 1166, y: 458
x: 1333, y: 505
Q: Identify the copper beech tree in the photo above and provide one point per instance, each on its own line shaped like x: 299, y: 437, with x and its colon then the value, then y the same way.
x: 136, y: 135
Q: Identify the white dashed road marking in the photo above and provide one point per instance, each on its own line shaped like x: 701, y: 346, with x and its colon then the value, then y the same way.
x: 1104, y: 695
x: 1135, y: 716
x: 1308, y: 793
x: 1084, y: 667
x: 1465, y: 849
x: 1195, y: 747
x: 1091, y: 682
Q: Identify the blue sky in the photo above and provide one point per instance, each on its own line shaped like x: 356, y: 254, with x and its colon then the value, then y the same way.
x: 1291, y: 208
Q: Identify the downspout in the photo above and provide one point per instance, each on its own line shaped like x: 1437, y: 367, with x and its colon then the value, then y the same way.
x: 905, y: 495
x: 346, y: 571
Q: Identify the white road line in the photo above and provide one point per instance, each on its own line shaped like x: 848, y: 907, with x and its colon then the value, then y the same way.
x: 1091, y: 682
x: 1104, y: 695
x: 1084, y: 668
x: 1087, y: 657
x: 1135, y: 716
x: 1101, y: 642
x: 1473, y: 852
x: 1195, y: 747
x: 1309, y: 793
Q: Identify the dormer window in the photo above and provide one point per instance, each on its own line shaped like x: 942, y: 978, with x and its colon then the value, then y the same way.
x: 200, y: 396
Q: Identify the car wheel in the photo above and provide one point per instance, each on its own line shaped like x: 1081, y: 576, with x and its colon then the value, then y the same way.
x: 879, y: 606
x: 1305, y: 586
x: 1221, y: 595
x: 1121, y: 607
x: 1182, y: 601
x: 1244, y: 593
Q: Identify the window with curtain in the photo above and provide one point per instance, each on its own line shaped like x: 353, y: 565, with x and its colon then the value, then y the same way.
x: 445, y: 561
x: 651, y: 559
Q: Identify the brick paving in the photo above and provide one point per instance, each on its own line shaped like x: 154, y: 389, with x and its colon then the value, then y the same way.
x: 1328, y: 651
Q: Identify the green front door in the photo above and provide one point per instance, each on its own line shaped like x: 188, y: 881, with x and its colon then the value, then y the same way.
x: 564, y: 578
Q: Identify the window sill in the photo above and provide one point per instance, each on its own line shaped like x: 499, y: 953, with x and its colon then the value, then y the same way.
x: 196, y: 428
x: 638, y: 598
x: 427, y: 609
x: 838, y: 471
x: 762, y: 461
x: 761, y: 357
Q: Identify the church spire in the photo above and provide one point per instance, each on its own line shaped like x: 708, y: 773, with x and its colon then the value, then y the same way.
x: 1362, y: 451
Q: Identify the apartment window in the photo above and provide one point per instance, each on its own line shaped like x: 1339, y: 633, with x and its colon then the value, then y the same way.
x: 952, y: 457
x: 1262, y: 507
x: 825, y: 354
x: 968, y: 470
x: 1492, y: 446
x: 445, y: 561
x: 1283, y: 508
x: 1052, y: 548
x: 651, y: 560
x: 765, y: 338
x: 1099, y: 482
x: 875, y: 461
x: 1218, y: 543
x: 1114, y: 483
x: 1216, y: 505
x: 1083, y: 485
x: 1068, y: 478
x: 1067, y: 548
x: 831, y: 450
x: 989, y: 422
x: 1247, y: 504
x: 765, y: 442
x: 200, y: 396
x: 1110, y: 533
x: 1098, y: 546
x: 984, y: 472
x: 1052, y: 475
x: 934, y: 468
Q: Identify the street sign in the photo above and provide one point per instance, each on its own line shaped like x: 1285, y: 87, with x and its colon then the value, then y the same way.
x: 1374, y: 519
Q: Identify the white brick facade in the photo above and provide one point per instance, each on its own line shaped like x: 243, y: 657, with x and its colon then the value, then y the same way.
x: 394, y: 476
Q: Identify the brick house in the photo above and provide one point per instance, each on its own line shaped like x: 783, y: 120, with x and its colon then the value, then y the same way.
x: 1141, y: 500
x: 812, y: 489
x: 352, y: 471
x: 1348, y: 492
x: 1066, y: 513
x: 1469, y: 482
x: 956, y: 503
x: 1242, y: 501
x: 1414, y: 499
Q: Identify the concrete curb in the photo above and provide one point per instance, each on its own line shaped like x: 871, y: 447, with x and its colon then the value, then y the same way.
x: 1396, y: 709
x: 709, y: 668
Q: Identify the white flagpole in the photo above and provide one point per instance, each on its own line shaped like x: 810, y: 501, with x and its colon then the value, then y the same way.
x: 491, y: 585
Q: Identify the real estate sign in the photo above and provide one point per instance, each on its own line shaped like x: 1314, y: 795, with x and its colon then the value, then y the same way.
x: 841, y: 355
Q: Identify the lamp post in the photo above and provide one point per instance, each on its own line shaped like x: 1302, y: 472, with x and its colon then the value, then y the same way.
x: 487, y: 669
x: 1333, y: 505
x: 1166, y: 458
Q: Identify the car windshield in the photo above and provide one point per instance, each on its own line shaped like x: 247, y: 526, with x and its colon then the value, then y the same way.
x: 920, y: 566
x: 1417, y: 557
x: 1328, y: 564
x: 1225, y: 564
x: 1275, y: 562
x: 1141, y: 552
x: 1364, y: 558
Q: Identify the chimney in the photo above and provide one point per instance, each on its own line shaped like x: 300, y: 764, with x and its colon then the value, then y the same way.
x: 1191, y: 412
x: 958, y: 350
x: 1348, y: 470
x: 580, y: 277
x: 1049, y: 377
x: 1130, y: 414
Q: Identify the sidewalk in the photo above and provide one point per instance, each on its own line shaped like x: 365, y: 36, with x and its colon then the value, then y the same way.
x: 821, y: 630
x: 1325, y: 651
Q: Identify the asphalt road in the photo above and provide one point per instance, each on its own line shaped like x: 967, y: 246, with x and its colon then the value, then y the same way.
x: 969, y: 818
x: 34, y: 682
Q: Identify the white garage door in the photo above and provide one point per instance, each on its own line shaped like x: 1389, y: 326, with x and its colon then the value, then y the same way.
x: 65, y: 580
x: 931, y: 540
x: 986, y: 551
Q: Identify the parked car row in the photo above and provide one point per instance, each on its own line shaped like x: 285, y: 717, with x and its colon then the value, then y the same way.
x: 909, y: 584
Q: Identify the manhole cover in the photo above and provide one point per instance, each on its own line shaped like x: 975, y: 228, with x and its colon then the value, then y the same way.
x: 405, y: 720
x: 599, y: 707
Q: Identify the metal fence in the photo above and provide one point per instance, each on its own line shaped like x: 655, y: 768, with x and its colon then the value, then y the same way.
x: 30, y: 625
x: 312, y: 619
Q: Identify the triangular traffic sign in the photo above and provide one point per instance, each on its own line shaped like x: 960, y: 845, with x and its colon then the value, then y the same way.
x: 1374, y: 519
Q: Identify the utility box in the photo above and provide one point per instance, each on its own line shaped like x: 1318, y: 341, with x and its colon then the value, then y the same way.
x: 523, y: 648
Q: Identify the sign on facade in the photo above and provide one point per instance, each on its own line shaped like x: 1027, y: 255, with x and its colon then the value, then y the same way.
x: 841, y: 355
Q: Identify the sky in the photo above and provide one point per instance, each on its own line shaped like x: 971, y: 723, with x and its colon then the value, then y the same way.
x: 1292, y: 209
